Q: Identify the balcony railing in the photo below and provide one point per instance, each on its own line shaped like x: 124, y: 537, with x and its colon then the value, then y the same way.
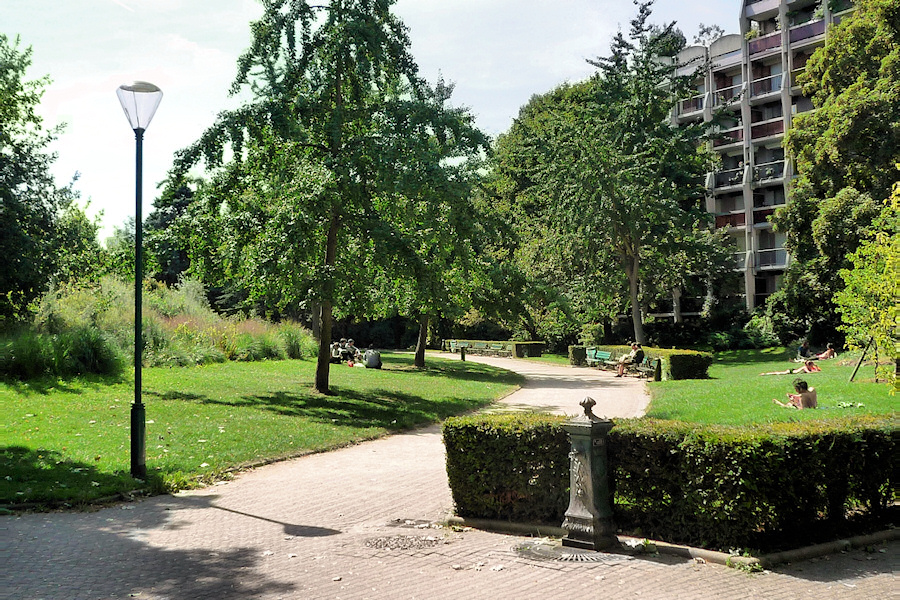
x: 766, y: 85
x: 725, y: 95
x: 770, y: 170
x: 730, y: 137
x: 761, y: 44
x: 740, y: 260
x: 691, y: 105
x: 735, y: 220
x: 761, y: 216
x: 797, y: 73
x: 766, y: 129
x: 775, y: 258
x: 730, y: 177
x: 806, y: 31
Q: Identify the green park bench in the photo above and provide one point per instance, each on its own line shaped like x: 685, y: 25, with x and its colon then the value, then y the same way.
x: 595, y: 357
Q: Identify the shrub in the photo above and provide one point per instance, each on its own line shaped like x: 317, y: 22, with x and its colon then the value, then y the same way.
x: 577, y: 355
x: 687, y: 364
x: 708, y: 486
x: 511, y: 467
x: 75, y: 352
x: 86, y: 350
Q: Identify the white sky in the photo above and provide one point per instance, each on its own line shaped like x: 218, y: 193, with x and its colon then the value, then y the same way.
x: 497, y: 52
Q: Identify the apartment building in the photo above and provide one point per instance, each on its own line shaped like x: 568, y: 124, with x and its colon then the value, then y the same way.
x: 753, y: 78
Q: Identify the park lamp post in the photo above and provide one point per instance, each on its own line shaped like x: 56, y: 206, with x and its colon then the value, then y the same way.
x: 139, y: 101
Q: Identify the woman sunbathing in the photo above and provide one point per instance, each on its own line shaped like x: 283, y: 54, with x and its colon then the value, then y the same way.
x: 808, y: 367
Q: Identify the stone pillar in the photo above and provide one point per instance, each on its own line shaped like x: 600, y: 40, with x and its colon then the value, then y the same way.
x: 589, y: 518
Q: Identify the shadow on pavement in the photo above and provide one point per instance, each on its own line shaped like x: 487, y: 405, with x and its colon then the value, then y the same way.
x: 104, y: 555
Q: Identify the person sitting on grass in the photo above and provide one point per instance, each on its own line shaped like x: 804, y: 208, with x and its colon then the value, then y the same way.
x: 828, y: 353
x: 803, y: 352
x: 808, y: 367
x: 804, y: 398
x: 632, y: 358
x: 372, y: 358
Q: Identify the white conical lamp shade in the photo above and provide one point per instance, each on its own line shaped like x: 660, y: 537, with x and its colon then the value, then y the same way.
x: 139, y: 101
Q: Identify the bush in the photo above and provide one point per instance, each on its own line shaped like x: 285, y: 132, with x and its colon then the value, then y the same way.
x: 510, y: 467
x: 708, y: 486
x: 686, y: 364
x: 76, y: 352
x: 577, y: 355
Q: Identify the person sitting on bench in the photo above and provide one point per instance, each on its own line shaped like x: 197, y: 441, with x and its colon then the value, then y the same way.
x: 632, y: 358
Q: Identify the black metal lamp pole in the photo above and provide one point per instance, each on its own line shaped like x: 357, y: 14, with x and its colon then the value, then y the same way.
x: 139, y: 101
x: 138, y: 413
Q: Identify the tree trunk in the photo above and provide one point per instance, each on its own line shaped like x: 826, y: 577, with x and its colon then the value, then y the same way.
x: 632, y: 269
x: 676, y: 305
x: 323, y: 364
x: 423, y: 339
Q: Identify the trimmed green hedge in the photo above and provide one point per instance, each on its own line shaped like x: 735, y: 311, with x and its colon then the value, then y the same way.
x: 577, y: 355
x: 706, y: 486
x: 512, y: 467
x: 677, y: 364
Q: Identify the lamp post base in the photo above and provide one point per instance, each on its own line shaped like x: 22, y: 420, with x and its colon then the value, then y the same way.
x: 138, y: 442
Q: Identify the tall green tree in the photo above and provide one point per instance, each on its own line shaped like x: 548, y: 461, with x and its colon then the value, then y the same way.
x: 870, y: 301
x: 334, y: 84
x: 41, y: 229
x: 600, y: 165
x: 845, y: 152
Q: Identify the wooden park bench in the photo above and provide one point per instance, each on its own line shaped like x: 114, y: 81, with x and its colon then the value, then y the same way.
x: 595, y: 357
x: 646, y: 368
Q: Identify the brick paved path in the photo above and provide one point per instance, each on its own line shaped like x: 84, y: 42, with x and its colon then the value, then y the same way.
x: 354, y: 524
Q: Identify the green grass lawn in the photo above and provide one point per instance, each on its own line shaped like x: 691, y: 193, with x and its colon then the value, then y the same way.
x: 736, y: 393
x: 69, y: 440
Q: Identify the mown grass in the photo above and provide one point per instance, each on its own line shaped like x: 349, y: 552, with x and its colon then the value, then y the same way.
x: 736, y: 393
x: 69, y: 440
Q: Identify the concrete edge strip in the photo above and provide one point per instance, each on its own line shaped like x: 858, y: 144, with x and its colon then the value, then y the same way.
x: 711, y: 556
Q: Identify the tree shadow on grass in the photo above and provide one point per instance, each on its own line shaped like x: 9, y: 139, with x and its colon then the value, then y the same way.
x: 46, y: 477
x: 348, y: 407
x: 749, y: 357
x: 51, y: 385
x: 457, y: 370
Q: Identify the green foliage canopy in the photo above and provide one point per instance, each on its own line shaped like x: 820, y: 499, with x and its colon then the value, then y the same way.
x: 346, y: 122
x: 845, y: 152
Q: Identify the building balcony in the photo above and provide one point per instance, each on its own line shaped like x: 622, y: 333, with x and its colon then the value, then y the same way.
x: 731, y: 219
x: 768, y: 129
x: 766, y: 85
x: 740, y: 261
x: 731, y: 136
x: 807, y: 31
x: 772, y: 258
x: 730, y: 177
x: 768, y: 171
x: 761, y: 215
x: 691, y: 105
x: 766, y: 42
x: 724, y: 96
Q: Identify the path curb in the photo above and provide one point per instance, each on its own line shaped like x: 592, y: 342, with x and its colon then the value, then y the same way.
x: 765, y: 561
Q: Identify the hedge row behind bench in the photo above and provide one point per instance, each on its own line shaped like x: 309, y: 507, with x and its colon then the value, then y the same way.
x: 707, y: 486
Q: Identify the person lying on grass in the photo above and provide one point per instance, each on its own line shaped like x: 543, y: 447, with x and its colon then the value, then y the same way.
x: 828, y: 353
x: 808, y: 367
x: 804, y: 398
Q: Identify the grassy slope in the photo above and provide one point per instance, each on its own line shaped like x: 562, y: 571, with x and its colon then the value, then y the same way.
x: 736, y: 394
x: 70, y: 439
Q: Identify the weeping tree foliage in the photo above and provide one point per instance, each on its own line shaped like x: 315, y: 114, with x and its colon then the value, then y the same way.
x: 344, y: 139
x: 599, y: 166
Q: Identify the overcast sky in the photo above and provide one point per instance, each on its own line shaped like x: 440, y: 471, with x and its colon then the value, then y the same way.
x: 497, y: 52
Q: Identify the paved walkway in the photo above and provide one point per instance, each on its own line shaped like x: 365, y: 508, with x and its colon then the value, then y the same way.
x: 355, y: 523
